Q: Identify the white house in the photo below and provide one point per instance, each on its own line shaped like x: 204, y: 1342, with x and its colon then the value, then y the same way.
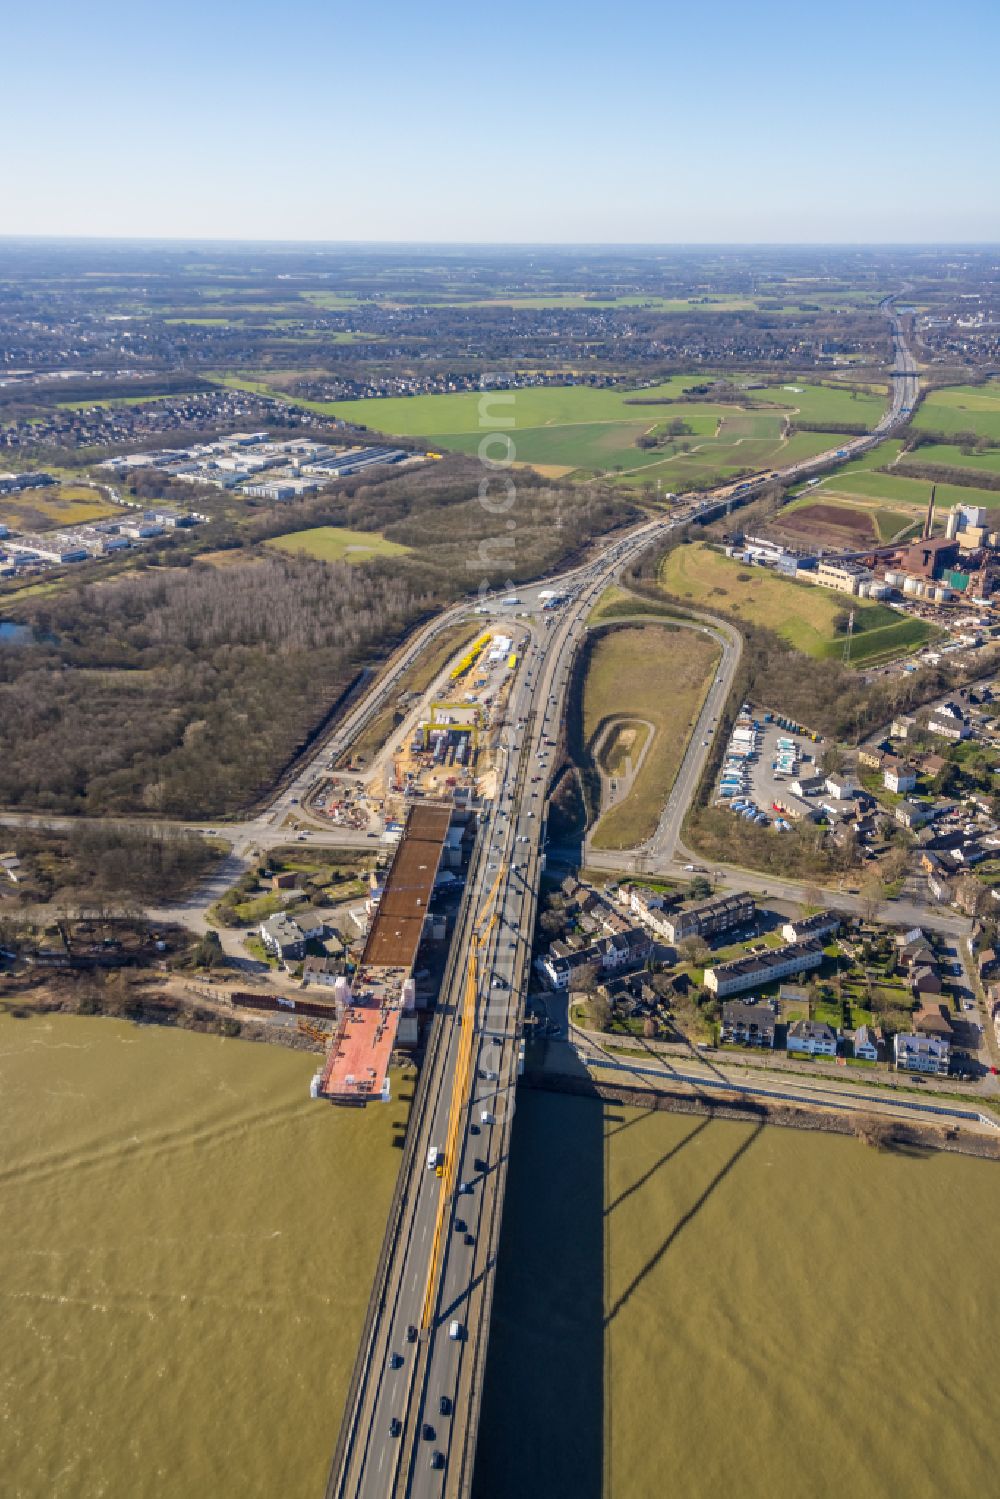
x: 865, y: 1045
x: 921, y: 1053
x: 899, y: 779
x: 812, y: 1036
x: 811, y: 928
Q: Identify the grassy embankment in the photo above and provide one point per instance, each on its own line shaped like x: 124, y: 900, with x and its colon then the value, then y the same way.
x: 654, y: 674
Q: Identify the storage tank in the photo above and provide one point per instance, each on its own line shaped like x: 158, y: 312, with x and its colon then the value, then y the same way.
x: 895, y: 579
x: 942, y: 595
x: 409, y: 994
x: 912, y: 586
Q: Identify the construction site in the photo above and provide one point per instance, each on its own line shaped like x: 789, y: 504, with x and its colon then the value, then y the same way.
x: 441, y: 746
x: 371, y: 1006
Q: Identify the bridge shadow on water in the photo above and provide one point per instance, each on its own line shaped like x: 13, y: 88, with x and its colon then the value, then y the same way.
x: 547, y: 1412
x: 542, y: 1426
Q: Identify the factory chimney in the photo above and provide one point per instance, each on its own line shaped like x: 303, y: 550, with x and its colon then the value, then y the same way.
x: 929, y: 523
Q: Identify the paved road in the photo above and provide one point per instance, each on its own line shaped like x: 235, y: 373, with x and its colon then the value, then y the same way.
x: 371, y: 1461
x: 662, y: 845
x: 710, y: 1077
x: 432, y: 1386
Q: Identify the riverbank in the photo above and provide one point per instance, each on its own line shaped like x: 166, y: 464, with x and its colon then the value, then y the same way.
x: 877, y: 1130
x: 181, y: 1004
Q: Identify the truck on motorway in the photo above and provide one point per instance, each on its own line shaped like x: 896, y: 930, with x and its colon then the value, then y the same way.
x: 433, y: 1157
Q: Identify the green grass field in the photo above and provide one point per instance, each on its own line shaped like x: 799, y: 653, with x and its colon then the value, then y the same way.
x: 946, y: 455
x: 800, y: 612
x: 337, y: 544
x: 588, y: 432
x: 654, y: 674
x: 962, y: 408
x: 898, y: 490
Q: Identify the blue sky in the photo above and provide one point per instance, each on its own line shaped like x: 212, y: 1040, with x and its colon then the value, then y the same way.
x: 550, y: 121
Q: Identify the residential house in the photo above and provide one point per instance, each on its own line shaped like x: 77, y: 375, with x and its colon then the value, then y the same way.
x: 812, y: 1036
x: 901, y: 726
x: 873, y: 758
x: 911, y: 814
x: 807, y: 785
x: 559, y: 968
x: 722, y: 914
x: 837, y: 809
x: 932, y: 1020
x: 933, y: 765
x: 610, y: 954
x: 916, y: 954
x: 762, y: 968
x: 839, y: 786
x: 921, y: 1053
x: 811, y: 928
x: 323, y: 971
x: 988, y: 964
x: 925, y: 979
x: 622, y: 949
x: 948, y: 728
x: 285, y: 935
x: 648, y: 907
x: 748, y: 1024
x: 899, y: 779
x: 865, y: 1044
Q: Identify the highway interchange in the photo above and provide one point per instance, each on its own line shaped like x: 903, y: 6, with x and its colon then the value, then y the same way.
x: 411, y: 1419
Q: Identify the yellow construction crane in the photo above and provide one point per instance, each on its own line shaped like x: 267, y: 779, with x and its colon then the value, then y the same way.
x: 485, y: 923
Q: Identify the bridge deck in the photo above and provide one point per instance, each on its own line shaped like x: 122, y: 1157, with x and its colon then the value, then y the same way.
x: 357, y: 1064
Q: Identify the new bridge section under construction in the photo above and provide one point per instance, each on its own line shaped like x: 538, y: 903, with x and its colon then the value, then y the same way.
x: 356, y: 1069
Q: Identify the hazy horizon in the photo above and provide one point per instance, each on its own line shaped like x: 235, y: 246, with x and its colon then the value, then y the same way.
x: 369, y: 245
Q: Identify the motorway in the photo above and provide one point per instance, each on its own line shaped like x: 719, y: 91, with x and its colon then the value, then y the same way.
x: 400, y: 1380
x: 411, y: 1419
x: 438, y: 1261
